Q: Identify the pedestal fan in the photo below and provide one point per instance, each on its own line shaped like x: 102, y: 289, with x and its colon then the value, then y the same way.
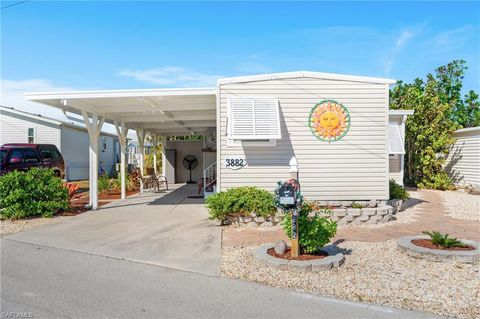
x: 190, y: 162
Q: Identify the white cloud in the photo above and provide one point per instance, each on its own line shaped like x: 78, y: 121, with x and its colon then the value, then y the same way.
x: 171, y: 76
x: 400, y: 41
x: 403, y: 38
x: 13, y: 96
x: 452, y: 38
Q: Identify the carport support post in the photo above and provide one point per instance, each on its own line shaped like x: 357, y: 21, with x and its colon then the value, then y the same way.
x: 93, y: 128
x: 155, y: 140
x: 122, y: 132
x: 141, y: 149
x: 163, y: 141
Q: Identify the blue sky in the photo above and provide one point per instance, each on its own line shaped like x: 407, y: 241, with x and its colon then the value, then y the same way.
x: 105, y: 45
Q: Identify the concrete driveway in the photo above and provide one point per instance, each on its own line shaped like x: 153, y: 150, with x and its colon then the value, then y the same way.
x: 167, y: 229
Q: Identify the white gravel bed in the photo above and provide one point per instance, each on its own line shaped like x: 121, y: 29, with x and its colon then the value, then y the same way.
x: 8, y: 227
x: 461, y: 205
x: 377, y: 273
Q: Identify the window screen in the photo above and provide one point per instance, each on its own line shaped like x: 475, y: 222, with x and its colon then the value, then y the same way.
x: 254, y: 119
x: 395, y: 142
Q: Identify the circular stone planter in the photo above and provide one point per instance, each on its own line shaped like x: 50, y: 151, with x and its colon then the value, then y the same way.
x: 464, y: 256
x: 316, y: 265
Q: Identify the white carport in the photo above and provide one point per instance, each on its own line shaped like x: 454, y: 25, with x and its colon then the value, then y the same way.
x: 156, y: 112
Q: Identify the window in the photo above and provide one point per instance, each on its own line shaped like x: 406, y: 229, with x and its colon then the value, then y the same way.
x: 31, y: 135
x: 30, y: 156
x: 49, y: 153
x: 395, y: 141
x: 253, y: 119
x: 16, y: 154
x: 104, y: 142
x: 3, y: 153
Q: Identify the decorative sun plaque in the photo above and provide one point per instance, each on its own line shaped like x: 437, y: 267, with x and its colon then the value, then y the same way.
x: 329, y: 121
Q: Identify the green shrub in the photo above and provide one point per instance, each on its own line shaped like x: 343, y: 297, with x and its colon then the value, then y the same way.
x: 440, y: 181
x: 241, y: 201
x: 397, y: 191
x: 357, y: 205
x: 315, y: 231
x: 129, y: 182
x: 36, y: 192
x: 104, y: 183
x: 443, y: 240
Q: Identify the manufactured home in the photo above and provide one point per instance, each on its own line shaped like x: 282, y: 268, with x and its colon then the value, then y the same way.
x: 71, y: 139
x: 338, y: 129
x: 463, y: 161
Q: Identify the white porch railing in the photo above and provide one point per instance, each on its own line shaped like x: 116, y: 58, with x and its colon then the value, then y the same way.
x: 210, y: 180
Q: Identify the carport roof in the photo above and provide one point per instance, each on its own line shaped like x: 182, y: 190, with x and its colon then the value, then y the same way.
x: 179, y: 111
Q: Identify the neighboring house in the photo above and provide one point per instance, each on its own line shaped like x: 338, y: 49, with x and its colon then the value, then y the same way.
x: 463, y: 161
x: 72, y: 140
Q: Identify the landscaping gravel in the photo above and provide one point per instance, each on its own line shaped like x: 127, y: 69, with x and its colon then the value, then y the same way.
x: 8, y: 227
x: 461, y: 205
x: 377, y: 273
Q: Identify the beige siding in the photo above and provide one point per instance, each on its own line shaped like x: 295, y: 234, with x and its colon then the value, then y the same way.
x: 354, y: 168
x: 463, y: 162
x: 14, y: 129
x: 395, y: 169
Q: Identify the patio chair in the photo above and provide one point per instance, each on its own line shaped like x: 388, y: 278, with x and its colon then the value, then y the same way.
x: 155, y: 182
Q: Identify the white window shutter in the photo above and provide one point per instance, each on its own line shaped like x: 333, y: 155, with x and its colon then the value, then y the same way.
x: 395, y: 142
x: 254, y: 119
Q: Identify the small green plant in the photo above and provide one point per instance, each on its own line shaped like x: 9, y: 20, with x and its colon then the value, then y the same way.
x: 129, y: 183
x: 315, y: 230
x: 357, y: 205
x: 397, y: 191
x: 104, y: 184
x: 443, y: 240
x: 241, y: 201
x: 36, y: 192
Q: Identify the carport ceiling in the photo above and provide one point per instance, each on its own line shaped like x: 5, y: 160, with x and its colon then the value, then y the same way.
x: 160, y: 111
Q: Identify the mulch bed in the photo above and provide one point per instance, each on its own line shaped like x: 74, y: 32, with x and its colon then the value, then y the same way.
x: 427, y: 243
x: 80, y: 200
x: 115, y: 194
x: 288, y: 255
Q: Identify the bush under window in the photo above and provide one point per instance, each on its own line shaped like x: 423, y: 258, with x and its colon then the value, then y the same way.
x: 36, y: 192
x: 241, y: 201
x: 397, y: 191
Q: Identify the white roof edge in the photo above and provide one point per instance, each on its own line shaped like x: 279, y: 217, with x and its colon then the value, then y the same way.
x: 30, y: 115
x: 304, y: 74
x: 468, y: 129
x: 48, y: 119
x: 120, y: 93
x: 400, y: 112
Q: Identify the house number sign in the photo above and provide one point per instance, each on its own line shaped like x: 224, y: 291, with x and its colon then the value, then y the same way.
x: 234, y: 162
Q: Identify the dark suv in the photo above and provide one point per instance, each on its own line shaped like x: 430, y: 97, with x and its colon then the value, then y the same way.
x: 24, y: 156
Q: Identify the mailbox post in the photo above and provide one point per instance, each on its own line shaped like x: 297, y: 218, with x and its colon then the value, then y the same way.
x: 287, y: 196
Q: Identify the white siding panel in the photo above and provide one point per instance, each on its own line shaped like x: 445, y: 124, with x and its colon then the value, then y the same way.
x: 75, y: 151
x: 354, y: 168
x: 14, y: 129
x: 463, y: 162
